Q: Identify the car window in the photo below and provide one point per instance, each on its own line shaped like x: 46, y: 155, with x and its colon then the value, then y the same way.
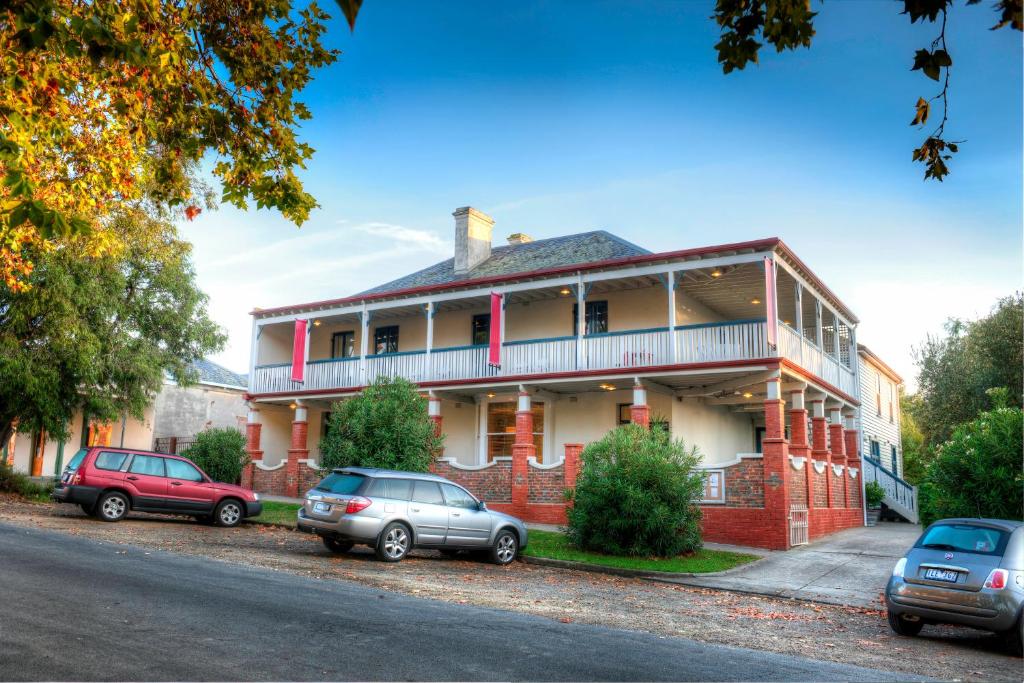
x: 427, y: 492
x: 147, y: 464
x: 76, y: 459
x: 179, y: 469
x: 458, y: 498
x: 964, y: 538
x: 341, y: 483
x: 399, y: 489
x: 110, y: 461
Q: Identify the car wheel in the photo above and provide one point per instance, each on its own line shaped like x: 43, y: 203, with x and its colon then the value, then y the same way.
x: 112, y: 507
x: 336, y: 546
x: 505, y: 547
x: 903, y: 627
x: 1015, y: 638
x: 394, y: 543
x: 228, y: 513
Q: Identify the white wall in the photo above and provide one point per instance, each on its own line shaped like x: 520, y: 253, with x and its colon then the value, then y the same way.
x: 875, y: 426
x: 186, y: 411
x: 718, y: 432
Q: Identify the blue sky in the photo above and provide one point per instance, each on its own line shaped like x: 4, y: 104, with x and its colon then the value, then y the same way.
x: 560, y: 117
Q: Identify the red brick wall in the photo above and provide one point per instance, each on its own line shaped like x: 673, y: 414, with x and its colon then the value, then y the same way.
x: 546, y: 486
x: 744, y: 484
x: 308, y: 478
x: 268, y: 481
x: 854, y: 485
x: 820, y: 487
x: 838, y: 492
x: 798, y: 486
x: 491, y: 485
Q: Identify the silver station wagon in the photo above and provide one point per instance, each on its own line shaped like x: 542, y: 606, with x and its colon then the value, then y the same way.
x: 394, y: 512
x: 961, y: 571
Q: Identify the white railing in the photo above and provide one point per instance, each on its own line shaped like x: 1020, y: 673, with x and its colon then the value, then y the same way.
x: 808, y: 356
x: 412, y: 366
x: 721, y: 341
x: 899, y: 495
x: 530, y: 358
x: 638, y: 349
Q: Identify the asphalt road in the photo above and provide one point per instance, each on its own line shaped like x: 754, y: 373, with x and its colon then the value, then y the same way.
x: 78, y: 609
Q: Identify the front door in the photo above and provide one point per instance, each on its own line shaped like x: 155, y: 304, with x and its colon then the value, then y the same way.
x: 146, y: 476
x: 468, y: 525
x: 186, y: 489
x: 428, y: 513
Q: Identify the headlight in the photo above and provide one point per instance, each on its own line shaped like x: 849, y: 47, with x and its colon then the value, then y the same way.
x: 256, y: 496
x: 901, y: 564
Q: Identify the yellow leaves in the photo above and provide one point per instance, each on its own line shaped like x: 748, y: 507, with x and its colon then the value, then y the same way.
x: 922, y: 110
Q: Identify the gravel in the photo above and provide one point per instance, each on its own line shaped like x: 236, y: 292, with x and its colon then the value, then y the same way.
x: 847, y: 635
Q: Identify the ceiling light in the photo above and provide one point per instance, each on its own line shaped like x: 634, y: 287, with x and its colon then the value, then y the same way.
x: 490, y: 394
x: 755, y: 301
x: 565, y: 291
x: 787, y: 322
x: 316, y: 323
x: 609, y: 387
x: 747, y: 394
x: 292, y: 406
x: 716, y: 273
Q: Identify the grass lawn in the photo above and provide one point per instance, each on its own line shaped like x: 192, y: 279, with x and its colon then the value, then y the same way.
x: 277, y: 513
x: 555, y: 546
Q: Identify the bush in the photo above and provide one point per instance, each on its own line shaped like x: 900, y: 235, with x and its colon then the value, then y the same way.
x: 220, y: 453
x: 873, y: 494
x: 637, y: 494
x: 386, y: 426
x: 20, y: 484
x: 977, y: 472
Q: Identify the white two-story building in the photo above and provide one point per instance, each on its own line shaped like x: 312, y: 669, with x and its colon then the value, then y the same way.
x: 739, y: 349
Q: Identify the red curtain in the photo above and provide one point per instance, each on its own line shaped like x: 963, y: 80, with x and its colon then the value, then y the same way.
x: 494, y: 349
x: 299, y: 352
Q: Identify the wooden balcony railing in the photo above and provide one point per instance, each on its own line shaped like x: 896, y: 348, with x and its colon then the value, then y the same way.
x: 736, y: 340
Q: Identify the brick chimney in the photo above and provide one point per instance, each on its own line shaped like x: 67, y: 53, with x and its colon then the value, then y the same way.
x: 472, y: 238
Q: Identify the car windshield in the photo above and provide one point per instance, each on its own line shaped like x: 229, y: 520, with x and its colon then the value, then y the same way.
x: 964, y: 538
x: 76, y: 460
x: 341, y: 483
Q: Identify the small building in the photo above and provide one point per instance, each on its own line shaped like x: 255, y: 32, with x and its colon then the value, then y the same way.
x: 739, y: 349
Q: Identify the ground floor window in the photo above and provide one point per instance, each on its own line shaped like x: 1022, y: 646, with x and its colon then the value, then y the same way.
x: 501, y: 429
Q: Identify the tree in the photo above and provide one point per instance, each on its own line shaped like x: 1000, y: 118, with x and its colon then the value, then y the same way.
x: 108, y: 103
x: 97, y: 333
x: 637, y: 494
x: 385, y: 426
x: 977, y: 472
x: 220, y: 453
x: 955, y: 371
x: 916, y: 455
x: 789, y: 24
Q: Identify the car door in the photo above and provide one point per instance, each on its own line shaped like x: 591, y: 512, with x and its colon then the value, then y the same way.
x: 187, y: 489
x: 468, y: 525
x: 146, y: 476
x: 428, y: 513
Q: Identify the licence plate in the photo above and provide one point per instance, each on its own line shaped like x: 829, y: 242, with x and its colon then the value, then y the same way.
x: 941, y: 575
x: 321, y: 507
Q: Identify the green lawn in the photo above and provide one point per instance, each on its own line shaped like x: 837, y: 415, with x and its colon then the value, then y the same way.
x: 277, y: 513
x: 555, y: 546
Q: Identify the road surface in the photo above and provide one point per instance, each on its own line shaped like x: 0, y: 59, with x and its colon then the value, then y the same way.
x: 78, y: 609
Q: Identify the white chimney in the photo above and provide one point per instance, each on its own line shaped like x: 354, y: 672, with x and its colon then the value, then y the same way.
x: 472, y: 238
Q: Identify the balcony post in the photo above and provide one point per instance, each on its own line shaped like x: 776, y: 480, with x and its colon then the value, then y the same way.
x: 253, y: 428
x: 254, y: 353
x: 775, y: 459
x: 640, y: 412
x: 798, y: 318
x: 522, y: 450
x: 298, y: 451
x: 581, y: 321
x: 364, y: 342
x: 835, y: 337
x: 671, y: 284
x: 429, y: 310
x: 819, y: 333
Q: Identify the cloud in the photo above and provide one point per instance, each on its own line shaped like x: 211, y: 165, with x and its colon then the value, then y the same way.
x: 423, y: 239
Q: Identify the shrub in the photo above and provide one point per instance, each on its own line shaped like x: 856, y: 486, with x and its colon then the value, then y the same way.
x: 220, y: 453
x: 386, y: 426
x: 977, y: 472
x: 637, y: 494
x: 20, y: 484
x: 873, y: 494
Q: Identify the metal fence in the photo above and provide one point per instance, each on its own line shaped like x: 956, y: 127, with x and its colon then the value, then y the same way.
x: 173, y: 444
x: 798, y: 532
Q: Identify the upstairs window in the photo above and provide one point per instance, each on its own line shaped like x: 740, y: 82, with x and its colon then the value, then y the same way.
x: 481, y: 333
x: 878, y: 394
x: 343, y: 344
x: 385, y: 339
x: 595, y: 319
x: 892, y: 402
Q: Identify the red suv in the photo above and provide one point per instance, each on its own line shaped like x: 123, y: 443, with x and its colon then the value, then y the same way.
x: 108, y: 482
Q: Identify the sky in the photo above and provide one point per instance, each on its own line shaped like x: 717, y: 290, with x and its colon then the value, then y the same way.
x: 562, y: 117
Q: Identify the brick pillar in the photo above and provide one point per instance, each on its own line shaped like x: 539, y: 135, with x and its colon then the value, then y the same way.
x: 799, y: 447
x: 819, y: 443
x: 852, y: 457
x: 253, y: 429
x: 775, y: 454
x: 838, y: 446
x: 298, y: 451
x: 640, y: 412
x: 571, y: 464
x: 522, y: 449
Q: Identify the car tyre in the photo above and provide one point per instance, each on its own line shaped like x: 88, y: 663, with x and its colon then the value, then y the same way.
x: 337, y: 546
x: 505, y: 548
x: 902, y: 627
x: 228, y: 513
x: 1015, y: 638
x: 394, y: 543
x: 112, y: 507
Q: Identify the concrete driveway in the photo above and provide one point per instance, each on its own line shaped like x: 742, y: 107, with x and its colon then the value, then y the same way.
x: 850, y: 567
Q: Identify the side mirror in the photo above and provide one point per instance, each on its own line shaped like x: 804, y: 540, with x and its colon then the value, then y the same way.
x: 482, y: 506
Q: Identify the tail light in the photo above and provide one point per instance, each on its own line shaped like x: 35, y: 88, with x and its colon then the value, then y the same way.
x: 997, y: 579
x: 76, y: 478
x: 356, y: 504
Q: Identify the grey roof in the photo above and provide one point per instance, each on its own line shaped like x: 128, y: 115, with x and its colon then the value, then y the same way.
x: 210, y: 373
x: 568, y: 250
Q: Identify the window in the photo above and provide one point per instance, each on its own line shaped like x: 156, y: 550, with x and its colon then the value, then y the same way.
x: 343, y: 344
x: 108, y: 461
x: 892, y: 410
x: 596, y: 318
x: 714, y: 491
x: 458, y: 498
x: 385, y: 339
x: 341, y: 483
x: 147, y: 464
x: 878, y: 395
x: 481, y: 329
x: 894, y: 461
x: 965, y: 538
x: 501, y: 429
x: 396, y: 489
x: 427, y: 492
x: 179, y: 469
x: 76, y: 460
x: 876, y: 451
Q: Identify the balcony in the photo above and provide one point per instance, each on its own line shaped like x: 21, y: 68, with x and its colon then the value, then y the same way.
x: 613, y: 351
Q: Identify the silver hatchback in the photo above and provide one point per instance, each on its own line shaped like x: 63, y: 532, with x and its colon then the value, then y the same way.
x: 394, y: 512
x: 961, y: 571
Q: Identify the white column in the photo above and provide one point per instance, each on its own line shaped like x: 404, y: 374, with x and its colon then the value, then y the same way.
x: 430, y: 339
x: 671, y: 284
x: 835, y: 336
x: 364, y: 342
x: 581, y: 321
x: 818, y: 332
x: 254, y: 353
x: 798, y: 318
x: 300, y: 413
x: 774, y: 294
x: 639, y: 394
